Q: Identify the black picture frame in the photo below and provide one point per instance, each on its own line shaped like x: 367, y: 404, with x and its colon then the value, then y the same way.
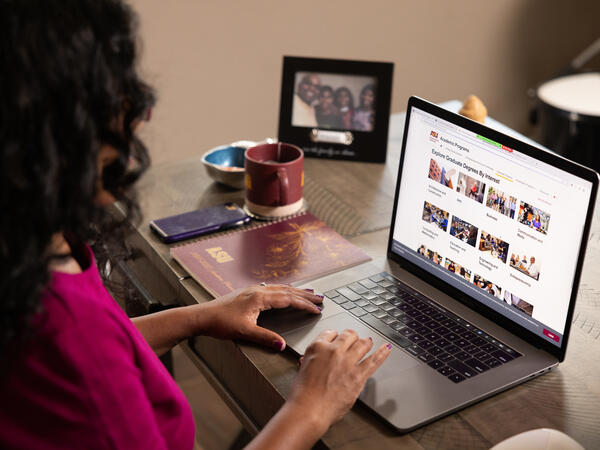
x: 347, y: 139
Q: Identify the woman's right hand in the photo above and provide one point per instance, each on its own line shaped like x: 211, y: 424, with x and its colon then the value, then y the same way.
x: 332, y: 375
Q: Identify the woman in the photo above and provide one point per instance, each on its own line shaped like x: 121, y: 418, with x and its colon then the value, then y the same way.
x: 328, y: 115
x: 345, y: 103
x: 364, y: 115
x: 75, y: 370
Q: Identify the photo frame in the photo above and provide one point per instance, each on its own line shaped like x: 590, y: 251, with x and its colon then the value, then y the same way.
x: 335, y: 108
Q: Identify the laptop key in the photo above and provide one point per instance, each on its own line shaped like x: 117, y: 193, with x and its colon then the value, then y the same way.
x: 368, y: 283
x: 470, y: 348
x: 371, y: 308
x: 452, y: 349
x: 480, y: 355
x: 378, y: 301
x: 456, y: 377
x: 445, y: 370
x: 395, y: 312
x: 468, y: 335
x: 387, y: 296
x: 387, y: 331
x: 413, y: 323
x: 448, y: 323
x: 376, y: 278
x: 432, y: 336
x: 431, y: 323
x: 442, y: 342
x: 347, y: 305
x: 385, y: 283
x: 458, y: 329
x: 502, y: 356
x: 379, y: 314
x: 419, y: 305
x: 478, y: 341
x: 414, y: 350
x: 340, y: 299
x: 492, y: 362
x: 362, y: 303
x: 332, y: 294
x: 445, y: 357
x: 451, y: 337
x: 462, y: 355
x: 439, y: 317
x: 416, y: 338
x: 436, y: 364
x: 422, y: 330
x: 461, y: 368
x: 398, y: 326
x: 412, y: 312
x: 388, y: 320
x: 436, y: 351
x: 350, y: 295
x: 421, y: 318
x: 359, y: 289
x: 462, y: 343
x: 426, y: 357
x: 387, y: 307
x: 368, y: 296
x: 476, y: 364
x: 426, y: 345
x: 489, y: 348
x: 358, y: 312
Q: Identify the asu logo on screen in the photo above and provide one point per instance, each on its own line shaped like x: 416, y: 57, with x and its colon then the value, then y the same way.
x: 433, y: 136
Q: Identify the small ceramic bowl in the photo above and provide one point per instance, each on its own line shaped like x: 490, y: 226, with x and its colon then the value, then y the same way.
x: 225, y: 164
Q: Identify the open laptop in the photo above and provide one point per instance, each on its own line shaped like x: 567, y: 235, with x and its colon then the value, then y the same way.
x: 477, y: 292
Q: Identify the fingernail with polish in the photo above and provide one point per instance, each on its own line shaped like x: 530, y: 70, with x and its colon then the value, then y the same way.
x: 388, y: 346
x: 319, y: 308
x: 309, y: 290
x: 370, y: 338
x: 319, y: 295
x: 278, y: 344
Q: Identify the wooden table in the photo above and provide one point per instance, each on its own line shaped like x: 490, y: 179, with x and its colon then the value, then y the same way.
x: 356, y: 199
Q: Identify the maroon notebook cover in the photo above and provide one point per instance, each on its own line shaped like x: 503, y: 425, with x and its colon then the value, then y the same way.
x: 296, y: 249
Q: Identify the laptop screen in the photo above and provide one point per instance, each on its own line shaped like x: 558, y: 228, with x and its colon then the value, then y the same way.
x: 495, y: 223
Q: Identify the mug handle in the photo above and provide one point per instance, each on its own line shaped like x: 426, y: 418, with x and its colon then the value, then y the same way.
x: 284, y: 186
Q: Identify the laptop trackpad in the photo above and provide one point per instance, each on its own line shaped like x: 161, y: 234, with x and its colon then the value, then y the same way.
x: 301, y: 338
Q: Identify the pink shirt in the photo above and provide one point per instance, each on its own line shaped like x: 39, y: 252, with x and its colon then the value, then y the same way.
x: 88, y: 379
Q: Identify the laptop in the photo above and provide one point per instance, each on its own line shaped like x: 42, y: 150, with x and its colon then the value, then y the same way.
x: 476, y: 294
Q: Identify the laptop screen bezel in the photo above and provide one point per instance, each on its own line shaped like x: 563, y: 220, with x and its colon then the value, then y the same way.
x: 535, y: 152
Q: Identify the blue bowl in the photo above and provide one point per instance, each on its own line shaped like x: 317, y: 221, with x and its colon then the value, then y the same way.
x: 225, y: 164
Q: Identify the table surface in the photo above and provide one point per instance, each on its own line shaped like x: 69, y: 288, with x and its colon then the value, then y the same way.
x: 567, y: 398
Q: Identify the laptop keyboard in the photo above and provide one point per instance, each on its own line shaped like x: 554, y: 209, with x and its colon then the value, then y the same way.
x: 448, y: 344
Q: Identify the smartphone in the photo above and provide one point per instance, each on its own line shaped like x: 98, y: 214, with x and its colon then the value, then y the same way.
x: 196, y: 223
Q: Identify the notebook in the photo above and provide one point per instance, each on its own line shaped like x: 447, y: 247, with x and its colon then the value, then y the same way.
x: 283, y: 252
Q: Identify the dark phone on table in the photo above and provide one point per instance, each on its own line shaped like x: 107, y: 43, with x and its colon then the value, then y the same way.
x: 196, y: 223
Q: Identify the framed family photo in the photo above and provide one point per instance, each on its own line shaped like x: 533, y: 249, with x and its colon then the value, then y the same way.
x: 336, y: 108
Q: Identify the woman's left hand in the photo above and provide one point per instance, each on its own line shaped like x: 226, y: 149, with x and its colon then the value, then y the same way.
x: 235, y: 315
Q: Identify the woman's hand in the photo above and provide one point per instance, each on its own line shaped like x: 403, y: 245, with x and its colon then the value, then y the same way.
x: 331, y: 376
x: 235, y: 315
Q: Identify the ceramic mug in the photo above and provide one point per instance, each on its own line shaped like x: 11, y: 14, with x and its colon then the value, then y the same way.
x: 274, y: 179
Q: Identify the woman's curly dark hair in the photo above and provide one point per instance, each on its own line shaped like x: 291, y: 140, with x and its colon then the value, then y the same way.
x: 68, y: 86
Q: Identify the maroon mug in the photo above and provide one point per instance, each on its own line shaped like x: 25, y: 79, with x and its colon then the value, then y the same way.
x: 274, y: 179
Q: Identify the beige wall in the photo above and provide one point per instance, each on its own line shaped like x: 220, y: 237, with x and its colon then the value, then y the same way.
x: 217, y: 64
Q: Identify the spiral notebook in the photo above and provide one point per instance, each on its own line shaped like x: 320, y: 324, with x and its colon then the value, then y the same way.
x: 296, y: 249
